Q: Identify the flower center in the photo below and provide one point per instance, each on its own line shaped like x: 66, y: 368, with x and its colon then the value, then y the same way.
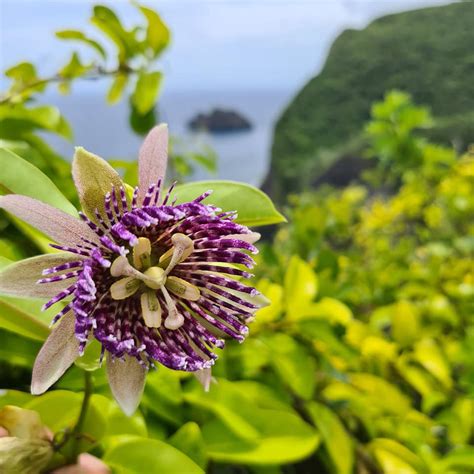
x: 140, y: 275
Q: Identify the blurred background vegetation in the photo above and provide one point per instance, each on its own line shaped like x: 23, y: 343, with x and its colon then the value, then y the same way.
x: 363, y: 363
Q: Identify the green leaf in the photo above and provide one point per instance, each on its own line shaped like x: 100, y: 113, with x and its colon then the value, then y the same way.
x: 301, y: 287
x: 18, y: 118
x: 136, y: 455
x: 141, y: 124
x: 18, y: 350
x: 405, y: 323
x: 20, y: 322
x: 246, y: 432
x: 14, y: 397
x: 108, y: 22
x: 163, y: 395
x: 146, y: 91
x: 157, y: 34
x: 253, y: 206
x: 431, y: 357
x: 329, y: 309
x: 273, y: 311
x: 223, y: 401
x: 394, y: 457
x: 20, y: 177
x: 379, y: 391
x: 188, y: 439
x: 81, y: 37
x: 118, y: 423
x: 4, y: 262
x: 90, y: 361
x: 335, y: 437
x: 323, y: 336
x: 58, y: 409
x: 116, y: 89
x: 25, y: 81
x: 283, y: 438
x: 459, y: 460
x: 23, y: 73
x: 293, y: 364
x: 74, y: 68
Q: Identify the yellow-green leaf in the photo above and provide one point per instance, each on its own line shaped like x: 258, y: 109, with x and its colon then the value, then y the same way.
x: 301, y: 287
x: 146, y: 91
x: 335, y: 437
x: 254, y: 207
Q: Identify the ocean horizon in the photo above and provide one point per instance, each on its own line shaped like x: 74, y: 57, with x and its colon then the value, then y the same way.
x: 242, y: 155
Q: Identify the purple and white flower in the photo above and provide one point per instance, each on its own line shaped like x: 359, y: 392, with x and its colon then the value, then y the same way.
x: 149, y: 279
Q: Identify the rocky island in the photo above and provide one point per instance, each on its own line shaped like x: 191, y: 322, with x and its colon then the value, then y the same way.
x: 220, y: 121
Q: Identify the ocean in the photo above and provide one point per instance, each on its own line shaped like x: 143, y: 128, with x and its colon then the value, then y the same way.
x: 242, y: 156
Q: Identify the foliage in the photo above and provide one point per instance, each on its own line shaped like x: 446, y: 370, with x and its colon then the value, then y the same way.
x: 427, y: 53
x: 391, y: 330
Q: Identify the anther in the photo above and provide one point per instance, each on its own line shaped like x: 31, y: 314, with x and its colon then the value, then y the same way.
x: 182, y: 288
x: 124, y: 288
x: 142, y: 253
x: 151, y: 309
x: 182, y: 248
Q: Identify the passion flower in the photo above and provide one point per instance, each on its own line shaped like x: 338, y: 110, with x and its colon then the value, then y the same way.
x: 149, y: 279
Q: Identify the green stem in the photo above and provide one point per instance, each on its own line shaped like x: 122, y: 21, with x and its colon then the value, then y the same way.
x: 77, y: 430
x: 97, y: 73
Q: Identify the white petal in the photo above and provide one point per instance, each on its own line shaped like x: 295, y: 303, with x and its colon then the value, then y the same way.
x: 152, y: 159
x: 126, y: 380
x: 205, y: 378
x: 20, y: 278
x: 250, y: 238
x: 56, y: 224
x: 59, y: 351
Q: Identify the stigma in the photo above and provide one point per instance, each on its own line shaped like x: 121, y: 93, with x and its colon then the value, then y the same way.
x: 139, y: 275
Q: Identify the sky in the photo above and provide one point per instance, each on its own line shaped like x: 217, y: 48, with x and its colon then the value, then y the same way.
x: 216, y: 45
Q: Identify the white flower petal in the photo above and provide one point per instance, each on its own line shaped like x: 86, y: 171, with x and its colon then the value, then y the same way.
x: 59, y: 351
x: 127, y: 381
x: 20, y: 278
x: 205, y: 378
x: 152, y: 159
x: 58, y: 225
x: 250, y: 238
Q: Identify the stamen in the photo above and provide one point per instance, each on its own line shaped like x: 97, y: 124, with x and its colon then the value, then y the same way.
x: 182, y: 248
x: 120, y: 267
x: 108, y: 208
x: 168, y: 194
x: 124, y: 288
x: 182, y: 288
x: 151, y: 309
x: 123, y: 198
x: 175, y: 319
x: 142, y: 253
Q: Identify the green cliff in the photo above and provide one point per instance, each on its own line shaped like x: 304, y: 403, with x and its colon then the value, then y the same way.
x: 428, y: 53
